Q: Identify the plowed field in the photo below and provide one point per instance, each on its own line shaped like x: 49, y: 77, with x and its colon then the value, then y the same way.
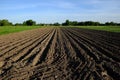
x: 60, y: 54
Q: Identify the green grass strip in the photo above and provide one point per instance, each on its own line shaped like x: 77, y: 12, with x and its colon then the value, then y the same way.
x: 13, y: 29
x: 104, y: 28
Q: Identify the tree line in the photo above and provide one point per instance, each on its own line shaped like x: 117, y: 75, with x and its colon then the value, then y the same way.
x: 30, y: 22
x: 89, y: 23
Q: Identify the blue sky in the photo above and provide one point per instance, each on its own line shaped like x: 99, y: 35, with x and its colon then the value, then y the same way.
x: 50, y: 11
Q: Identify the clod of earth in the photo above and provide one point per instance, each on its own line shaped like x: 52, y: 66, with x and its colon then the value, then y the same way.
x: 2, y: 63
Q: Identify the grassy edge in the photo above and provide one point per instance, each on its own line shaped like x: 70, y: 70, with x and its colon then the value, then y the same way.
x: 101, y: 28
x: 13, y: 29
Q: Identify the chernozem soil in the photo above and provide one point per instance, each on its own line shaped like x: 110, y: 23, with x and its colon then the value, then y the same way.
x: 60, y: 54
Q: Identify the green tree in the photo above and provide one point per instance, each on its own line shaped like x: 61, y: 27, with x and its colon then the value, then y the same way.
x: 110, y: 24
x: 29, y: 22
x: 67, y: 23
x: 56, y: 24
x: 18, y: 24
x: 5, y: 22
x: 74, y: 23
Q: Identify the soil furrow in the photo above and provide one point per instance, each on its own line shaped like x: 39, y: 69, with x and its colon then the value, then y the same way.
x: 41, y: 56
x: 27, y: 50
x: 99, y: 48
x: 18, y: 49
x: 60, y: 54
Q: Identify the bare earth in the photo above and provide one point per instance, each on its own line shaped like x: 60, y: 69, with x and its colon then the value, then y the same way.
x: 60, y: 54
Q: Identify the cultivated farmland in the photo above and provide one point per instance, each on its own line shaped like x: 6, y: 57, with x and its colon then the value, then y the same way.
x: 60, y: 54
